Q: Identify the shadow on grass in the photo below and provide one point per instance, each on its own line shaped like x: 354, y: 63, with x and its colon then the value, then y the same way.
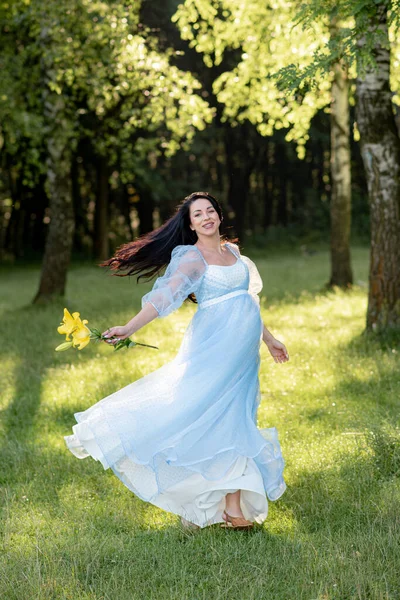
x: 341, y: 525
x: 343, y: 497
x: 366, y: 396
x: 32, y: 363
x: 104, y: 542
x: 380, y: 390
x: 33, y: 350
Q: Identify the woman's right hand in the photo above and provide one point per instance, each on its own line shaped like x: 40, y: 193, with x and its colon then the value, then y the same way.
x: 278, y: 351
x: 114, y: 335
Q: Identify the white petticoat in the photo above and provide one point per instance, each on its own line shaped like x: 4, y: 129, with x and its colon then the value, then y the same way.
x: 199, y: 500
x: 202, y: 501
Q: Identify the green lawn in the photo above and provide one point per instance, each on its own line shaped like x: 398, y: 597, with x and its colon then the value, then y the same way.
x: 72, y: 530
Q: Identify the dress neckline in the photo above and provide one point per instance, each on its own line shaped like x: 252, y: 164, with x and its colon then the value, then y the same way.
x: 223, y: 266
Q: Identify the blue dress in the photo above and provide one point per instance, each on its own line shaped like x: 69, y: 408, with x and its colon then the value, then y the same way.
x: 185, y: 435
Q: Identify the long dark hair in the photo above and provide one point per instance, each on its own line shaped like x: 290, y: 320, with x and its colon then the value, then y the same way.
x: 146, y: 256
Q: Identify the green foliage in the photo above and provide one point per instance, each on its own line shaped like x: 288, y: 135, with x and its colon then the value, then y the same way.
x: 284, y: 73
x: 117, y: 87
x: 268, y: 40
x: 353, y: 44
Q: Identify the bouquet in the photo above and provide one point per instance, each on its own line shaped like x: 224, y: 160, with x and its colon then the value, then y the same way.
x: 78, y: 334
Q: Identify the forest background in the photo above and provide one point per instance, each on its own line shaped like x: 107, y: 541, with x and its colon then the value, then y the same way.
x: 112, y: 112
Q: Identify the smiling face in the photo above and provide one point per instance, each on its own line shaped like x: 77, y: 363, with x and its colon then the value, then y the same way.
x: 204, y: 219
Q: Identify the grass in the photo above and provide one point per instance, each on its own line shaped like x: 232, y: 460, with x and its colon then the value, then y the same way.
x: 71, y: 530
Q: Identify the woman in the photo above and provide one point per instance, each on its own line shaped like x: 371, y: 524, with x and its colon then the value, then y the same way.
x: 184, y: 437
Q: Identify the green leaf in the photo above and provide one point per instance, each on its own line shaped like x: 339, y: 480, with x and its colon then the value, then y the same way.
x: 96, y: 332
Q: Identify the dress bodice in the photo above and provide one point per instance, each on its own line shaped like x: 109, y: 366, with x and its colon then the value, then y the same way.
x: 189, y: 273
x: 219, y: 279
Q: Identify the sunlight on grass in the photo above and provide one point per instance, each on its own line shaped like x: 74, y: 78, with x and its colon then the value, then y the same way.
x: 9, y: 366
x: 72, y: 530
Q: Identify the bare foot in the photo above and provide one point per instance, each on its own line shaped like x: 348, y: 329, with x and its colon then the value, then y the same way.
x: 232, y: 504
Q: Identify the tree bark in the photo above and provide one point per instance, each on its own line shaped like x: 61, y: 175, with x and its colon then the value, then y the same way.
x: 380, y: 150
x: 340, y: 205
x: 61, y: 228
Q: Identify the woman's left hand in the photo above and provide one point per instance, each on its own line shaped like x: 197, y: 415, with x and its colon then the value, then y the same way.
x: 116, y: 334
x: 278, y: 351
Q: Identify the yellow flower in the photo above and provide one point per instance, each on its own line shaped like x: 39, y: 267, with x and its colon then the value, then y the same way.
x: 81, y: 334
x: 70, y: 322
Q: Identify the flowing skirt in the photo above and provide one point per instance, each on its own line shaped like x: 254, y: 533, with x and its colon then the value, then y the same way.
x: 185, y: 435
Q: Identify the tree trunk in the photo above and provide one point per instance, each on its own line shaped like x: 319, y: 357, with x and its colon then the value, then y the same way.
x: 380, y: 150
x: 281, y: 183
x: 101, y: 216
x: 340, y: 206
x: 240, y: 161
x: 38, y: 227
x: 126, y: 212
x: 13, y: 241
x: 267, y: 187
x: 12, y: 234
x: 61, y: 228
x: 80, y: 210
x: 145, y: 208
x: 238, y: 196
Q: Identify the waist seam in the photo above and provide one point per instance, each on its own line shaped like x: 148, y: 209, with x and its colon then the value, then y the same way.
x: 221, y: 298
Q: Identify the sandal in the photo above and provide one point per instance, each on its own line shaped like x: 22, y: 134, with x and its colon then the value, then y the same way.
x: 235, y: 522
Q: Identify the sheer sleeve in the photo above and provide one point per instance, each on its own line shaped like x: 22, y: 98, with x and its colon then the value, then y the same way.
x: 255, y: 283
x: 182, y: 277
